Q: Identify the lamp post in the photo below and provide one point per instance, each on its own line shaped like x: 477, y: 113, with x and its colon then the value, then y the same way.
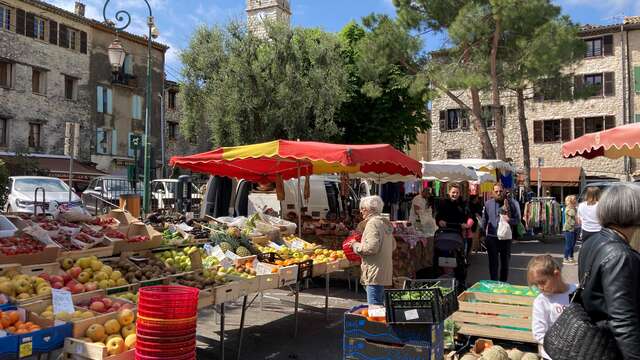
x: 116, y: 58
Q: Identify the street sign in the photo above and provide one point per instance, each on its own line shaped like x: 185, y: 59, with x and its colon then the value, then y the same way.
x: 136, y: 141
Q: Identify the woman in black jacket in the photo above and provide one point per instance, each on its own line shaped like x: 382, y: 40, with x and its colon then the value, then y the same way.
x: 612, y: 287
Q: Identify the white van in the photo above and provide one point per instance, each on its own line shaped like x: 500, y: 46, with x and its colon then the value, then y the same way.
x: 227, y: 197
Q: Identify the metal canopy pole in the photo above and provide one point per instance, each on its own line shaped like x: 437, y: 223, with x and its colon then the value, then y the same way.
x: 299, y: 203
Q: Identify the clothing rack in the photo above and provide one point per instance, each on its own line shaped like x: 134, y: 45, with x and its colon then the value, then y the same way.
x: 543, y: 214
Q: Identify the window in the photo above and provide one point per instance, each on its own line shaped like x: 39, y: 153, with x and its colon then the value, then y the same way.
x: 127, y: 66
x: 553, y: 89
x: 546, y: 131
x: 591, y: 85
x: 454, y: 119
x: 73, y: 37
x: 172, y: 100
x: 453, y: 154
x: 3, y: 131
x: 599, y: 46
x: 487, y: 116
x: 38, y: 81
x: 106, y: 141
x: 172, y: 130
x: 636, y: 78
x: 6, y: 74
x: 104, y: 100
x: 39, y: 26
x: 136, y: 107
x: 34, y: 135
x: 70, y: 88
x: 5, y: 17
x: 593, y: 124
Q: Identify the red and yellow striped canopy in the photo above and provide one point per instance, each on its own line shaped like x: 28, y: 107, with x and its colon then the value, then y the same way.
x: 264, y: 162
x: 613, y: 143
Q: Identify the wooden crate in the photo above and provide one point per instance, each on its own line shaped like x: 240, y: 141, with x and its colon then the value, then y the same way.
x: 268, y: 281
x: 495, y: 316
x: 76, y: 349
x: 226, y: 293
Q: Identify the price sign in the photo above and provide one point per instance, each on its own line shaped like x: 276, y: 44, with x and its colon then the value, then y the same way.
x: 184, y: 227
x: 62, y: 301
x: 274, y: 245
x: 262, y: 269
x: 208, y: 249
x: 231, y: 255
x: 297, y: 244
x: 217, y: 252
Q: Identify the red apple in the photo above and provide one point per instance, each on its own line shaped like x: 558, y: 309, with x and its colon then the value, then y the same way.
x: 115, y: 307
x: 74, y: 271
x: 107, y: 302
x: 71, y: 283
x: 97, y: 306
x: 55, y: 279
x: 126, y: 306
x: 45, y: 276
x: 66, y: 277
x: 90, y: 286
x: 57, y: 285
x: 77, y: 288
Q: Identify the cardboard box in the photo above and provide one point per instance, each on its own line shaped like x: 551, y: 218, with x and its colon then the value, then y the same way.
x: 77, y: 349
x: 50, y: 338
x: 124, y: 217
x: 99, y: 252
x: 32, y: 270
x: 80, y: 328
x: 362, y: 349
x: 269, y: 281
x: 47, y: 255
x: 357, y: 326
x: 137, y: 229
x: 246, y: 286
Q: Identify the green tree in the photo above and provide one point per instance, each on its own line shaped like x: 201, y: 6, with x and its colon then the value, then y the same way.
x: 289, y: 84
x: 386, y: 110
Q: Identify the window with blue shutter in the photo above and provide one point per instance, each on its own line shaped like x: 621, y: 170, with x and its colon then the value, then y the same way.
x: 100, y: 97
x: 128, y: 65
x: 109, y: 102
x: 136, y: 107
x: 114, y: 142
x: 131, y: 151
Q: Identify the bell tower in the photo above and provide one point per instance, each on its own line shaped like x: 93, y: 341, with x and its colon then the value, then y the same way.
x: 260, y: 11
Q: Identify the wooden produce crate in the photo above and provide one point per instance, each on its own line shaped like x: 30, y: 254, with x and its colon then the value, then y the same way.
x: 32, y: 270
x: 99, y: 252
x: 495, y: 316
x: 268, y: 281
x: 123, y: 217
x: 319, y: 269
x: 333, y: 266
x: 136, y: 229
x: 76, y: 349
x: 47, y: 255
x: 226, y: 293
x: 246, y: 286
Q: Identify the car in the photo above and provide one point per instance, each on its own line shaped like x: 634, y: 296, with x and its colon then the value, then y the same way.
x: 163, y: 193
x: 22, y: 193
x: 103, y: 193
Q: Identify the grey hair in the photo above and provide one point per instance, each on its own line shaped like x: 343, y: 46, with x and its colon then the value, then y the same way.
x: 620, y: 206
x: 372, y: 203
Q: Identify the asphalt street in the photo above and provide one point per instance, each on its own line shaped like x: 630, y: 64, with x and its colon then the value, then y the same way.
x: 269, y: 325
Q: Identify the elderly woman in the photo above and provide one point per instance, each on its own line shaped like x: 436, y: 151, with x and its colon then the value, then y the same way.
x: 376, y: 249
x: 611, y: 285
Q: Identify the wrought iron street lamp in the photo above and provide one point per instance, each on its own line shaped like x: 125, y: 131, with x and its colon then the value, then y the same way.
x: 116, y: 58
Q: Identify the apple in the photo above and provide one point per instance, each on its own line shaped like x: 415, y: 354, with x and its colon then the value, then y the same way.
x: 130, y: 341
x: 115, y: 307
x: 115, y: 346
x: 91, y: 286
x: 71, y: 283
x: 125, y: 317
x: 96, y: 332
x: 57, y: 285
x: 45, y: 276
x: 84, y: 277
x: 66, y: 277
x: 67, y: 263
x: 75, y: 271
x: 128, y: 330
x: 126, y: 306
x: 112, y: 327
x: 56, y: 278
x: 107, y: 302
x: 97, y: 306
x: 77, y: 289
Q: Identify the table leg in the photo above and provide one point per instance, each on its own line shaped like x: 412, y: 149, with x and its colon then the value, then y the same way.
x: 295, y: 311
x: 222, y: 331
x: 327, y: 278
x: 244, y: 310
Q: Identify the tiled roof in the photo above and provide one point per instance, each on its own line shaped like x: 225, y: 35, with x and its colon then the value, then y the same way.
x: 93, y: 23
x: 629, y: 23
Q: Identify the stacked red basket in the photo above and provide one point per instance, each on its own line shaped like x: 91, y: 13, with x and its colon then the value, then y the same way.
x: 166, y: 325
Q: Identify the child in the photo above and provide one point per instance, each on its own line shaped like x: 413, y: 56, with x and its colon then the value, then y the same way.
x: 569, y: 229
x: 544, y: 273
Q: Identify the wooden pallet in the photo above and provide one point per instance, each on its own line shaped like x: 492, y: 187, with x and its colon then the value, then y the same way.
x: 494, y: 315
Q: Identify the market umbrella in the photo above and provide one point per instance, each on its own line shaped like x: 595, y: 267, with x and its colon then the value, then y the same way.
x: 265, y: 162
x: 447, y: 172
x: 613, y: 143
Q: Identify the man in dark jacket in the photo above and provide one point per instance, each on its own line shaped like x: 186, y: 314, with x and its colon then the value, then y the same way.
x: 499, y: 251
x: 612, y: 286
x: 453, y: 213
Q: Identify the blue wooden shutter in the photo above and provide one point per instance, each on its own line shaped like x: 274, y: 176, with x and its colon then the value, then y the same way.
x: 131, y: 152
x: 128, y: 65
x: 114, y: 142
x: 109, y: 102
x: 100, y: 141
x: 99, y: 93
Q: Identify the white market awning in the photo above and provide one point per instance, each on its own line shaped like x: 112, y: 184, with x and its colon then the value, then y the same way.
x: 447, y: 172
x: 479, y: 164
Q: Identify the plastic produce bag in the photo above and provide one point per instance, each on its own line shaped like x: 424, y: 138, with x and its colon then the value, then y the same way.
x: 348, y: 249
x: 504, y: 229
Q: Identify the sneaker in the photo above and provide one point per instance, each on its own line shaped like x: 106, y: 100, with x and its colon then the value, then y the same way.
x: 573, y: 261
x: 566, y: 262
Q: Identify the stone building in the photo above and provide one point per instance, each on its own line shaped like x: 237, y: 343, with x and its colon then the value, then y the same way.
x: 175, y: 142
x: 261, y: 11
x: 44, y: 78
x: 54, y: 68
x: 610, y: 70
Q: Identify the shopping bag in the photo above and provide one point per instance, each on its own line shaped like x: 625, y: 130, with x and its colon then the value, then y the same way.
x: 348, y: 250
x: 504, y: 229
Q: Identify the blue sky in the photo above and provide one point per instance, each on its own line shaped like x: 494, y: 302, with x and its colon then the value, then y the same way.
x: 177, y: 19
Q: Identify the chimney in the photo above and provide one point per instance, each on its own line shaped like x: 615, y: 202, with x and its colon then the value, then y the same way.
x: 79, y: 8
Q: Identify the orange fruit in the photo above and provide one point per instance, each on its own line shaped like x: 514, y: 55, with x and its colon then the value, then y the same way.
x: 35, y: 328
x: 22, y: 331
x: 14, y: 316
x: 11, y: 329
x: 5, y: 321
x: 18, y: 323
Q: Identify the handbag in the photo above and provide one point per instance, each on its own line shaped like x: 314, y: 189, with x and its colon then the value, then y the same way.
x: 576, y: 336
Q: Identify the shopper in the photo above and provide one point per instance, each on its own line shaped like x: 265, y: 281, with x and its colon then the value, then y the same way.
x: 376, y: 249
x: 569, y: 229
x: 587, y: 217
x: 499, y: 251
x: 544, y: 273
x: 611, y: 293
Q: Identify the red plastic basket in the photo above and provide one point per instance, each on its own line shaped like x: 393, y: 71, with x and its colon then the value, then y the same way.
x: 166, y: 335
x: 149, y: 350
x: 187, y: 356
x: 167, y: 295
x: 169, y: 342
x: 167, y: 312
x: 168, y: 325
